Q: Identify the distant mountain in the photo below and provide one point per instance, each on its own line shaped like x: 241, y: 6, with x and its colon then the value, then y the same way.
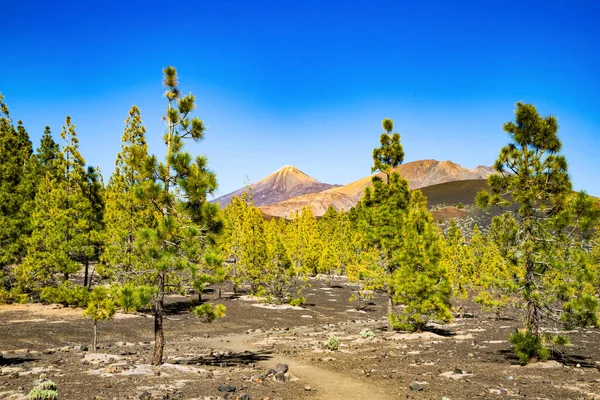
x: 285, y: 183
x: 419, y: 173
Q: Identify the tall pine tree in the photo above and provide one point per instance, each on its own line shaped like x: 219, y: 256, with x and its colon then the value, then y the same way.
x: 17, y: 191
x: 127, y: 212
x: 533, y: 174
x: 60, y: 241
x: 184, y: 220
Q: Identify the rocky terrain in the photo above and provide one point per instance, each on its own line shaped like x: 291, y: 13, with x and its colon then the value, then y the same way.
x: 260, y: 351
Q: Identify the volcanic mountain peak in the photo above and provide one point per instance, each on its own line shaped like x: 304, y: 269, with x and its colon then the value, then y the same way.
x: 287, y: 177
x: 420, y: 174
x: 287, y: 182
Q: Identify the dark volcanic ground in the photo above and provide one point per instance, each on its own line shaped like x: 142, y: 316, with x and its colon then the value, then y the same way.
x: 466, y: 359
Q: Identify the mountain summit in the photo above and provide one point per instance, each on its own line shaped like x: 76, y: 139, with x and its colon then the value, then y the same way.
x: 285, y: 183
x: 420, y: 174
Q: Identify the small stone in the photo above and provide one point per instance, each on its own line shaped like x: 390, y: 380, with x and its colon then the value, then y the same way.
x: 243, y: 396
x: 416, y: 386
x: 226, y: 388
x: 282, y: 368
x: 145, y: 396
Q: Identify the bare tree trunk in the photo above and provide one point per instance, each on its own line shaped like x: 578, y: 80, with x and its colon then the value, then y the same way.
x: 159, y: 336
x: 86, y: 272
x: 95, y: 344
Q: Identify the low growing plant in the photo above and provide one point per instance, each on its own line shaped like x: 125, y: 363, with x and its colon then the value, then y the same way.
x: 367, y: 334
x: 209, y: 312
x: 44, y: 391
x: 333, y: 343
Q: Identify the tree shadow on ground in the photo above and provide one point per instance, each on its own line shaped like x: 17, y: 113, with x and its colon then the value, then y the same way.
x: 565, y: 359
x: 15, y: 360
x: 229, y: 359
x: 439, y: 331
x: 179, y: 307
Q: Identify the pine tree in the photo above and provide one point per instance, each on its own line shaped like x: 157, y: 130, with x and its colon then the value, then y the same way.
x: 95, y: 193
x: 534, y: 174
x: 304, y: 241
x: 61, y: 221
x: 184, y: 221
x: 253, y: 257
x: 230, y: 241
x: 17, y: 191
x: 127, y: 212
x: 281, y: 280
x: 101, y: 306
x: 383, y: 209
x: 420, y: 282
x: 457, y: 260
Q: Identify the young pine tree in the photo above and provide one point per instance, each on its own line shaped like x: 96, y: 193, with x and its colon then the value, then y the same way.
x: 126, y: 211
x: 100, y: 307
x: 184, y: 220
x: 420, y: 282
x: 533, y: 174
x: 383, y: 209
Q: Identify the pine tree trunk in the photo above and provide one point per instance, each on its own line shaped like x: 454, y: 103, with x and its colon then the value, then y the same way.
x: 159, y: 336
x: 95, y: 344
x: 390, y: 308
x: 85, y: 274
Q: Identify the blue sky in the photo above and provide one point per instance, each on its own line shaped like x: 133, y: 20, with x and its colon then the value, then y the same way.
x: 308, y: 83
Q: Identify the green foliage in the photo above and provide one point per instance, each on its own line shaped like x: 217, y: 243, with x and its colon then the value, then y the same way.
x: 298, y: 302
x: 581, y: 311
x: 183, y: 222
x: 46, y: 390
x: 18, y: 182
x: 63, y: 221
x: 537, y: 237
x: 421, y: 282
x: 332, y: 343
x: 303, y: 241
x: 37, y: 394
x: 528, y: 347
x: 100, y: 306
x: 67, y: 294
x: 366, y: 272
x: 126, y: 211
x: 458, y: 261
x: 209, y: 312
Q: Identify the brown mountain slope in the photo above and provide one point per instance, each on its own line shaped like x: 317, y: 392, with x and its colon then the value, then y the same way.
x: 419, y: 173
x: 285, y: 183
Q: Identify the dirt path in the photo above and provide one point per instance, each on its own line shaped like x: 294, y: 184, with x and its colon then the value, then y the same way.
x: 328, y: 384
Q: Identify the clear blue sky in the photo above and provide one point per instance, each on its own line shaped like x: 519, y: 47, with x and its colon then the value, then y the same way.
x: 307, y: 83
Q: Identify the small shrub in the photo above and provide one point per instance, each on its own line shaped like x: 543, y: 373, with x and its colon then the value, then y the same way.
x: 333, y: 343
x: 298, y: 302
x: 209, y: 312
x: 460, y: 206
x: 367, y: 334
x: 46, y: 385
x: 528, y: 347
x: 44, y: 391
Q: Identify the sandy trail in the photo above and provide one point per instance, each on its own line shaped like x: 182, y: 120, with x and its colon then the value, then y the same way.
x: 328, y: 384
